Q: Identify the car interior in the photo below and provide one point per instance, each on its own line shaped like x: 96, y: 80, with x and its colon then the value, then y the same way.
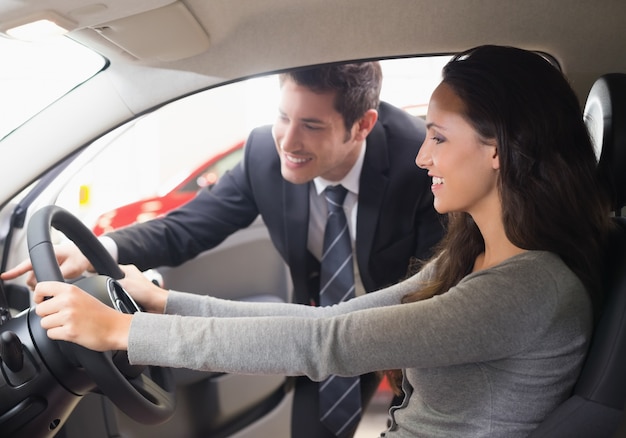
x: 596, y: 407
x: 153, y: 105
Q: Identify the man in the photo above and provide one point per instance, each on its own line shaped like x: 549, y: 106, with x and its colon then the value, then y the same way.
x: 331, y: 130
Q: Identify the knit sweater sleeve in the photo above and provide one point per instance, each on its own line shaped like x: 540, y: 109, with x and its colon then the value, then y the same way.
x: 186, y: 304
x: 491, y: 314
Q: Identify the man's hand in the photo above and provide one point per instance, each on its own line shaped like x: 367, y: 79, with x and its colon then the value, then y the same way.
x: 71, y: 261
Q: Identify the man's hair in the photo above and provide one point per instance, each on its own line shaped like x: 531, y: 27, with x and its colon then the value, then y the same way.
x: 357, y: 86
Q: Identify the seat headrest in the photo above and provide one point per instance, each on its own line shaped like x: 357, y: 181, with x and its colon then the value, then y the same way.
x: 605, y: 116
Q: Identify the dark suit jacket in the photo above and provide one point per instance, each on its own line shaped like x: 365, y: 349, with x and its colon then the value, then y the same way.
x: 396, y: 219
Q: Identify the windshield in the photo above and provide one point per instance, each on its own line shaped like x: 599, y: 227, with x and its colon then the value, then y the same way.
x: 35, y: 74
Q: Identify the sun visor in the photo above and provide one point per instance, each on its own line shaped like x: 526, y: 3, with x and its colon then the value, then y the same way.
x: 168, y: 33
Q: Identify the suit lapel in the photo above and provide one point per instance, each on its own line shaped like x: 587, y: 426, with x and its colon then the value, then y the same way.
x: 372, y: 188
x: 296, y: 228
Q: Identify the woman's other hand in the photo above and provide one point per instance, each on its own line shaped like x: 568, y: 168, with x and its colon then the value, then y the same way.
x: 147, y: 294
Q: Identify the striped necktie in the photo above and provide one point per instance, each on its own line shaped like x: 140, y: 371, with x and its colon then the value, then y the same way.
x: 340, y: 397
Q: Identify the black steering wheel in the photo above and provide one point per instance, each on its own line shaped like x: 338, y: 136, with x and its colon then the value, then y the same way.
x: 145, y: 394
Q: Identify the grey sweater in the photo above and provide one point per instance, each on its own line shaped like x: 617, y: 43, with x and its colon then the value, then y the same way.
x: 489, y: 358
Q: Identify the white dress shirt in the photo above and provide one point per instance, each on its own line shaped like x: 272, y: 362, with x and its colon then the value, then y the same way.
x: 318, y: 211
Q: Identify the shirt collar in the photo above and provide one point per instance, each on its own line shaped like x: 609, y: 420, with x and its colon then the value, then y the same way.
x: 350, y: 181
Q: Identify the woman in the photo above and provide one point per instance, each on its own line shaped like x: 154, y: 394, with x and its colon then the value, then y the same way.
x: 490, y: 334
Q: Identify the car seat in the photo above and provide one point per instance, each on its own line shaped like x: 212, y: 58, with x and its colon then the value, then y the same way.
x: 596, y: 407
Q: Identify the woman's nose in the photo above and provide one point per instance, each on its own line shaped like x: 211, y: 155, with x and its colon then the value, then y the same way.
x: 424, y: 157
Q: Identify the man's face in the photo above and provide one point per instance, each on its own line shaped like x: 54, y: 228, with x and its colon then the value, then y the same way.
x: 311, y: 138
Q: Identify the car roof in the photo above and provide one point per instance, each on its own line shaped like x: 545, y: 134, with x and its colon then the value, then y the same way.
x: 160, y: 50
x: 247, y: 37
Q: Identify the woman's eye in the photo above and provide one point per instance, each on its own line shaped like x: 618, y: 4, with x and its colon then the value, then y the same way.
x: 437, y: 140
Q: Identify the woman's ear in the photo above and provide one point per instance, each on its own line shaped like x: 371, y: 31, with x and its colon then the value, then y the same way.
x: 495, y: 158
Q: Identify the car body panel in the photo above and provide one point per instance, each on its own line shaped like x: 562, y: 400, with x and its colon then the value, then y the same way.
x: 204, y: 175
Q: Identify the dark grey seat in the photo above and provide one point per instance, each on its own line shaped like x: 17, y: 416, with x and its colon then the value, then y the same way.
x: 596, y: 407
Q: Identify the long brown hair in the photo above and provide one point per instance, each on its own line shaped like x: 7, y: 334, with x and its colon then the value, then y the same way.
x: 548, y: 183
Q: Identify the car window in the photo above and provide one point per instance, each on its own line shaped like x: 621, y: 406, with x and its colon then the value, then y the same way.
x: 33, y: 75
x: 174, y: 151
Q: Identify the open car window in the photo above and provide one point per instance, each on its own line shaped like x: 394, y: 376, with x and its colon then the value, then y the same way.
x: 188, y: 144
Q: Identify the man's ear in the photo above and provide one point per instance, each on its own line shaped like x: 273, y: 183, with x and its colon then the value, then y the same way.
x: 365, y: 124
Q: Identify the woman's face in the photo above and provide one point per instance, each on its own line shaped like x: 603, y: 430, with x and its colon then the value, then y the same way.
x: 463, y: 167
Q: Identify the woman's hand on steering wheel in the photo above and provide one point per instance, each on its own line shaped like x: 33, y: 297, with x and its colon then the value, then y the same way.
x: 70, y: 314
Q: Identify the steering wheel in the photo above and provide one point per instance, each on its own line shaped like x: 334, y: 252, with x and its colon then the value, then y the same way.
x: 145, y: 394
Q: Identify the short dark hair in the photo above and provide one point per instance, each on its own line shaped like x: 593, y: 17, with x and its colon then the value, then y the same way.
x: 357, y: 86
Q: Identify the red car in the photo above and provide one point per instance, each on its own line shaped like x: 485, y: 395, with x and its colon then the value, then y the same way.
x: 205, y: 175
